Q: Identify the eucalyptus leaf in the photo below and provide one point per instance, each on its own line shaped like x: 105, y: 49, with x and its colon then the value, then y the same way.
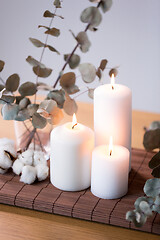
x: 155, y: 161
x: 48, y: 105
x: 42, y: 26
x: 88, y: 72
x: 12, y: 83
x: 84, y: 42
x: 52, y: 49
x: 145, y: 208
x: 18, y: 99
x: 152, y: 187
x: 67, y: 80
x: 53, y: 32
x: 57, y: 3
x: 73, y: 61
x: 154, y: 125
x: 42, y: 72
x: 72, y: 89
x: 156, y: 172
x: 9, y: 111
x: 105, y: 5
x: 70, y: 105
x: 91, y: 93
x: 92, y: 16
x: 58, y: 96
x: 156, y: 206
x: 24, y: 103
x: 44, y: 86
x: 103, y: 64
x: 27, y: 89
x: 33, y: 62
x: 113, y: 71
x: 149, y: 200
x: 7, y: 98
x: 136, y: 217
x: 56, y: 116
x: 36, y: 42
x: 48, y: 14
x: 151, y: 139
x: 32, y: 108
x: 2, y: 63
x: 22, y: 115
x: 99, y: 73
x: 38, y: 121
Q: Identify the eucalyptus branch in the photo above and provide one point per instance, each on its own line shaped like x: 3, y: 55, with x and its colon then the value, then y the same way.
x: 30, y: 138
x: 43, y: 50
x: 69, y: 57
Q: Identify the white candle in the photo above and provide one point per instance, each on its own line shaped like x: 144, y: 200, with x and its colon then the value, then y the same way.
x: 109, y: 175
x: 71, y: 152
x: 113, y: 114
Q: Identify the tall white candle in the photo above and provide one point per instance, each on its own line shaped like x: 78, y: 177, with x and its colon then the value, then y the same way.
x: 109, y: 176
x: 70, y: 161
x: 113, y: 114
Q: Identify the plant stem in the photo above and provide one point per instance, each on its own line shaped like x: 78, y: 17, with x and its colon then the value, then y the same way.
x: 30, y: 138
x: 69, y: 57
x: 43, y: 50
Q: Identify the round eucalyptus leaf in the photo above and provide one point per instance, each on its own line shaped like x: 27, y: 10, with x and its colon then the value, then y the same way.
x: 53, y: 32
x: 151, y: 139
x: 152, y: 187
x: 12, y: 83
x: 24, y: 103
x: 48, y: 105
x: 36, y: 42
x: 44, y: 86
x: 113, y: 71
x: 55, y: 116
x: 92, y: 16
x: 74, y: 60
x: 58, y: 96
x: 42, y: 72
x: 57, y: 3
x: 99, y: 73
x: 84, y: 42
x: 106, y: 5
x: 103, y: 64
x: 88, y: 72
x: 154, y: 125
x: 38, y: 121
x: 48, y: 14
x: 70, y: 105
x: 22, y: 115
x: 32, y: 108
x: 52, y: 49
x: 145, y: 208
x: 91, y: 93
x: 155, y: 161
x: 33, y: 62
x: 2, y: 63
x: 149, y: 200
x: 72, y: 89
x: 156, y: 206
x: 138, y: 218
x: 9, y: 112
x: 67, y: 80
x: 27, y: 89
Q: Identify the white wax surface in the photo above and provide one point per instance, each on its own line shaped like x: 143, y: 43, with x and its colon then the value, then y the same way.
x: 109, y: 176
x: 113, y: 115
x: 71, y: 151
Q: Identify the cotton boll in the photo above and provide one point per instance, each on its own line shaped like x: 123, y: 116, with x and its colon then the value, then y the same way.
x: 6, y: 141
x: 39, y: 158
x: 42, y: 171
x: 17, y: 167
x: 3, y: 171
x: 26, y: 157
x: 10, y: 149
x: 5, y: 161
x: 28, y: 174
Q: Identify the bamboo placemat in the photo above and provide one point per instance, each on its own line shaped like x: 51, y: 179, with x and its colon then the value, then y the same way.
x: 43, y: 196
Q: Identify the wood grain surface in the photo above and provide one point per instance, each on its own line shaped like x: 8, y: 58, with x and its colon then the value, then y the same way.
x: 17, y: 223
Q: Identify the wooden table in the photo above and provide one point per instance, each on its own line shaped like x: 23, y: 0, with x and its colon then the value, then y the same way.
x: 17, y: 223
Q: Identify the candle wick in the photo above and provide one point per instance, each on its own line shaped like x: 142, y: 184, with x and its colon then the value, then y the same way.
x: 74, y: 125
x: 110, y: 152
x: 112, y: 87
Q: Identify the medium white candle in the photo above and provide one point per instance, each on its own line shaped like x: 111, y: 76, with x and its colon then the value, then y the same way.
x: 71, y: 152
x: 113, y: 114
x: 109, y: 175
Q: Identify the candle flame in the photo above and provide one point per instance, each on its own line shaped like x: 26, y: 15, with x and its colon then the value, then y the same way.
x: 112, y: 80
x: 74, y: 121
x: 110, y: 145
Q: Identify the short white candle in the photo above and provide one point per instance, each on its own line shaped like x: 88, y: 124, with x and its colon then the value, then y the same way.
x: 71, y: 153
x: 113, y: 114
x: 109, y: 175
